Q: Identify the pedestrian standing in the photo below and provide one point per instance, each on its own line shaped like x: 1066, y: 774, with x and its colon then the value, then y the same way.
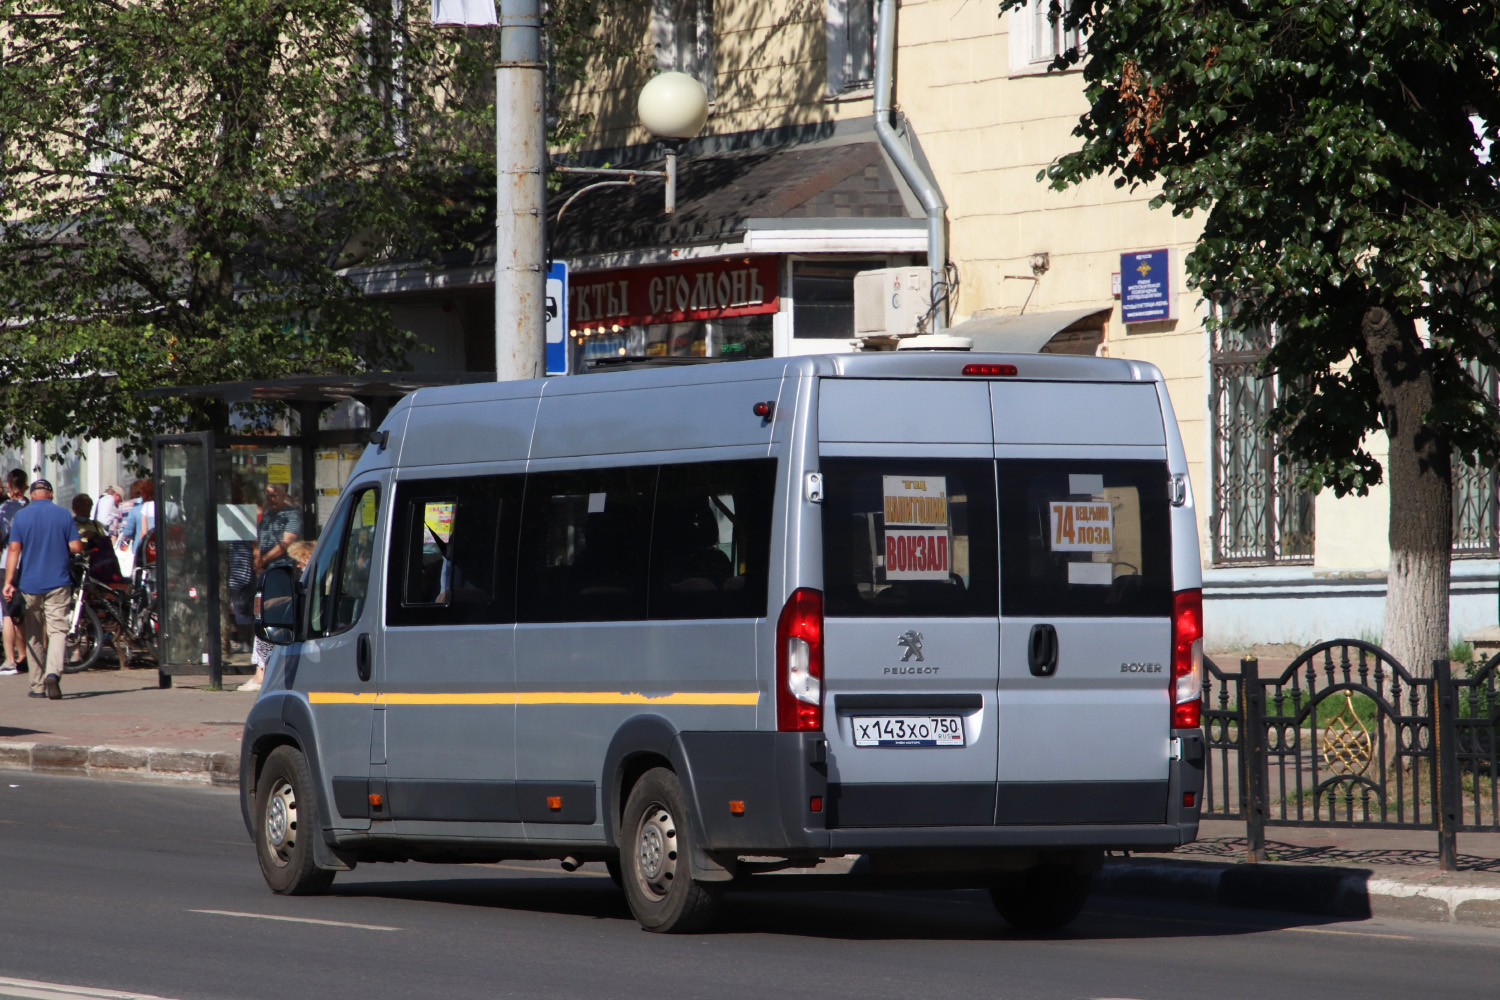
x: 280, y: 527
x: 105, y: 506
x: 12, y: 654
x: 45, y: 535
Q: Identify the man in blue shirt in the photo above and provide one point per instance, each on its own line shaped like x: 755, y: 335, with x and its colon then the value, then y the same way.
x: 46, y: 535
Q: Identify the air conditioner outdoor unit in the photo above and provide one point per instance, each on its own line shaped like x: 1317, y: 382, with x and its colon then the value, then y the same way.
x: 891, y: 301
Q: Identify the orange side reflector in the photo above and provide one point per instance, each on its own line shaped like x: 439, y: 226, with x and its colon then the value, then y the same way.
x: 554, y: 802
x: 736, y: 807
x: 375, y: 801
x: 815, y: 804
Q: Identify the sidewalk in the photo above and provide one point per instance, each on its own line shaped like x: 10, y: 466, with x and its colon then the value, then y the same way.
x: 119, y: 724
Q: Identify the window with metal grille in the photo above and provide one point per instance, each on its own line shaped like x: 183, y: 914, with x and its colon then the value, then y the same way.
x: 1260, y: 516
x: 1475, y: 511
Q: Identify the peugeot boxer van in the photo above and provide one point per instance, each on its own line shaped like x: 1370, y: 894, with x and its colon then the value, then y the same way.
x: 941, y: 611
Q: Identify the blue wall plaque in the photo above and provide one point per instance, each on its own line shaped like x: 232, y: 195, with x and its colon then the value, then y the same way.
x: 1147, y: 286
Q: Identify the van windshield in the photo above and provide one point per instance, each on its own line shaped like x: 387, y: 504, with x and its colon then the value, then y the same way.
x: 904, y: 537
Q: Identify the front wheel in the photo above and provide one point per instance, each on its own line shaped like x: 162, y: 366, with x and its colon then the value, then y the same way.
x: 84, y: 642
x: 285, y: 824
x: 654, y: 852
x: 1044, y: 898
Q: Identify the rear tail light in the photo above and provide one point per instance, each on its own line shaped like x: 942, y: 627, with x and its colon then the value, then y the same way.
x: 989, y: 369
x: 1187, y: 659
x: 799, y: 663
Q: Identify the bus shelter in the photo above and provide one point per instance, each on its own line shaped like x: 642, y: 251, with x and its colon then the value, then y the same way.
x: 211, y: 490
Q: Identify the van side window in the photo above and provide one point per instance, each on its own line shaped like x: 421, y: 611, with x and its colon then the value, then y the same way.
x: 711, y: 544
x: 354, y: 568
x: 341, y: 567
x: 1084, y: 538
x: 585, y: 540
x: 904, y: 537
x: 453, y: 558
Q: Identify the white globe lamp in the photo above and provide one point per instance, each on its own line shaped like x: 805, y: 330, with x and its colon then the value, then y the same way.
x: 673, y: 106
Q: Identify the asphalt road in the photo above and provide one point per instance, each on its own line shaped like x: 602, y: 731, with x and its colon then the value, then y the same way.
x: 154, y: 890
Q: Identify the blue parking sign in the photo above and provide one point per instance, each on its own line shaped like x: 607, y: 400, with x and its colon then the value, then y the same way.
x: 557, y: 318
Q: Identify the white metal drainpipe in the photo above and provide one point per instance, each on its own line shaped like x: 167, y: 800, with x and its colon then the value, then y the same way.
x: 924, y: 185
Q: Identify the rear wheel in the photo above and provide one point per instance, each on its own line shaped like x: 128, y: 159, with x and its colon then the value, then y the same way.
x: 84, y: 642
x: 285, y: 824
x: 654, y: 852
x: 1044, y: 898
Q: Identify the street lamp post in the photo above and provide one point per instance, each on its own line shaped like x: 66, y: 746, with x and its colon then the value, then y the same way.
x: 520, y: 194
x: 673, y: 107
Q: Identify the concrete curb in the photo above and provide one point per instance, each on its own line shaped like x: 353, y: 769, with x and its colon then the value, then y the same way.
x: 1322, y: 890
x: 123, y: 763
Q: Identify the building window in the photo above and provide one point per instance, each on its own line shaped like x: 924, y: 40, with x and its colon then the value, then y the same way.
x: 849, y: 26
x: 823, y: 297
x: 682, y: 32
x: 382, y: 56
x: 1260, y: 516
x: 1036, y: 38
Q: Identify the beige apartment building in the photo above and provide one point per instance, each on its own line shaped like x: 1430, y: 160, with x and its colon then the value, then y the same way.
x: 789, y: 189
x: 789, y: 193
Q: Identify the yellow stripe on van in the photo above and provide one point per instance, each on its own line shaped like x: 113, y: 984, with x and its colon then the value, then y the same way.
x: 341, y: 698
x: 535, y: 698
x: 633, y: 698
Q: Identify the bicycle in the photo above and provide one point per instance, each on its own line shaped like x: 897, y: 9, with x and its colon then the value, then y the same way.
x: 128, y: 615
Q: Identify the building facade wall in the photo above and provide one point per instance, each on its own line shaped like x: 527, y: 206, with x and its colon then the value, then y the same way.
x: 988, y: 124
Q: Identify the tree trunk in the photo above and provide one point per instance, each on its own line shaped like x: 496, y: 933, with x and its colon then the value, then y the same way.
x: 1420, y: 473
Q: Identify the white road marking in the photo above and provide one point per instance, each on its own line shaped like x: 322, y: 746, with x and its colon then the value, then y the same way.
x: 1258, y: 927
x: 30, y: 989
x: 296, y: 920
x: 1329, y: 930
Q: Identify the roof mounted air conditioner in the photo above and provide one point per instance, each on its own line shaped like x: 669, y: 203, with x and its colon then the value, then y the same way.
x: 891, y: 301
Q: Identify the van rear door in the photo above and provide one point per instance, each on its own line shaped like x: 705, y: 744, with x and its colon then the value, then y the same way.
x: 910, y: 602
x: 1086, y: 599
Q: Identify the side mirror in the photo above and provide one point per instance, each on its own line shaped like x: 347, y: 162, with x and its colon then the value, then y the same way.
x: 277, y: 604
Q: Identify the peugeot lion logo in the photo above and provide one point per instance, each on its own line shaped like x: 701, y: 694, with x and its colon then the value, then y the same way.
x: 911, y: 639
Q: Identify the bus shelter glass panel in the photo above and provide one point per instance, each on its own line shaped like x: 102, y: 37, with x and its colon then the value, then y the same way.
x: 183, y: 493
x: 252, y: 478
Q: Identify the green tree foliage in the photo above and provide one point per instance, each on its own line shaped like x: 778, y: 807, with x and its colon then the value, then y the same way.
x: 184, y: 180
x: 1348, y: 202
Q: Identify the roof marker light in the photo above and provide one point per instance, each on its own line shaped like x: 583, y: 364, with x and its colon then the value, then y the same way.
x: 989, y: 369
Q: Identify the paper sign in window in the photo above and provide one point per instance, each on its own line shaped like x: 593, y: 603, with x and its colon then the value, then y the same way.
x: 1091, y: 574
x: 438, y: 518
x: 1082, y: 527
x: 917, y: 541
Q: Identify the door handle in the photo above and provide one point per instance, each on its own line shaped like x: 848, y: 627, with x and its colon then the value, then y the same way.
x: 362, y: 656
x: 1041, y: 651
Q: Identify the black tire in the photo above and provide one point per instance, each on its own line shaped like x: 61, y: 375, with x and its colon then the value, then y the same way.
x: 655, y: 845
x: 84, y: 643
x: 612, y: 865
x: 285, y: 823
x: 1045, y: 898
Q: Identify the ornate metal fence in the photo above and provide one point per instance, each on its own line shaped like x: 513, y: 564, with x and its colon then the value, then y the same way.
x: 1223, y: 766
x: 1347, y: 736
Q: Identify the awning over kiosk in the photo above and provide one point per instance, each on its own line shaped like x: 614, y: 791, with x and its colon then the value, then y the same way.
x: 1060, y: 331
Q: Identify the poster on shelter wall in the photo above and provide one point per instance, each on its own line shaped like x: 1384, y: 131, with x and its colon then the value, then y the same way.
x: 918, y: 545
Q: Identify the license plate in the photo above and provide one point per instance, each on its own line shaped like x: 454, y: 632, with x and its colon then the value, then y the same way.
x: 908, y: 731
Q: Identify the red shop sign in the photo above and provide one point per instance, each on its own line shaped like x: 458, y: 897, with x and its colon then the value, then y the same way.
x: 641, y: 296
